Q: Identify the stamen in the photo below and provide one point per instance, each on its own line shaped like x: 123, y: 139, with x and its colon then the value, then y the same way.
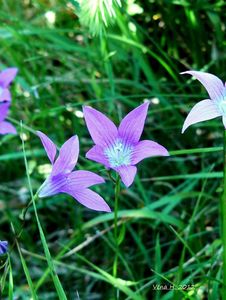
x: 222, y: 103
x: 119, y: 154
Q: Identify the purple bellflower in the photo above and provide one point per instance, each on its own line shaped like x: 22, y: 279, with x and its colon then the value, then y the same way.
x: 209, y: 108
x: 119, y: 148
x: 6, y: 77
x: 63, y: 180
x: 3, y: 247
x: 5, y: 127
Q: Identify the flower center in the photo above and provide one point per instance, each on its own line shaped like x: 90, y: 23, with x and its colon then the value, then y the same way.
x: 119, y: 154
x: 222, y: 103
x: 222, y: 106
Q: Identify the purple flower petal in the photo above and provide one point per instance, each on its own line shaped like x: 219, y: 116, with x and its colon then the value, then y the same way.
x: 5, y: 95
x: 101, y: 129
x: 7, y: 76
x: 89, y: 199
x: 96, y: 153
x: 68, y: 157
x: 127, y: 174
x: 48, y: 145
x: 7, y: 128
x: 132, y: 125
x: 3, y: 110
x: 3, y: 247
x: 212, y: 83
x: 78, y: 180
x: 146, y: 149
x: 202, y: 111
x: 53, y: 185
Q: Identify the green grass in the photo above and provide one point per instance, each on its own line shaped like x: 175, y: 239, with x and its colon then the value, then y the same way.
x: 169, y: 218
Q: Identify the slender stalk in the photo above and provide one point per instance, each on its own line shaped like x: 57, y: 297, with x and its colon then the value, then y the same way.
x: 56, y: 281
x: 19, y: 124
x: 27, y: 273
x: 223, y: 216
x: 117, y: 191
x: 17, y: 236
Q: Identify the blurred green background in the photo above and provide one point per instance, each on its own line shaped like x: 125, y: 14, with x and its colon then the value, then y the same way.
x: 68, y: 57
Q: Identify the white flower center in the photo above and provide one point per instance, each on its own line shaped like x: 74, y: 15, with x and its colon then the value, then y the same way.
x: 222, y: 106
x: 119, y: 154
x: 221, y: 103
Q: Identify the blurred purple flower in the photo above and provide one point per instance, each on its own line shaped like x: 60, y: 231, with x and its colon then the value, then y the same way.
x: 6, y: 77
x: 120, y: 148
x: 209, y: 108
x: 63, y: 180
x: 3, y: 247
x: 5, y: 127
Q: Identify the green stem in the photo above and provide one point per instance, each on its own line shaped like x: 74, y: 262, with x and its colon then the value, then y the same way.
x: 223, y: 226
x: 17, y: 236
x: 56, y: 281
x: 117, y: 192
x: 19, y: 124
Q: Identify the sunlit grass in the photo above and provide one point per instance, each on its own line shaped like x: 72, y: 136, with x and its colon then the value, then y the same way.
x: 170, y: 214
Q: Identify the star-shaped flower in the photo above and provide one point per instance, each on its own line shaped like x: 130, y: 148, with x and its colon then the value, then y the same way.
x: 6, y: 77
x: 209, y: 108
x: 3, y: 247
x: 63, y: 180
x: 5, y: 127
x: 119, y: 148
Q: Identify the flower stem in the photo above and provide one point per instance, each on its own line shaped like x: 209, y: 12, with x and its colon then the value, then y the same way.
x: 55, y: 278
x: 223, y: 224
x: 117, y: 192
